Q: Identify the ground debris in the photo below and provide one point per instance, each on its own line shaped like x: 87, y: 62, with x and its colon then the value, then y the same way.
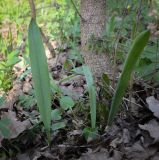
x: 138, y: 152
x: 102, y: 155
x: 128, y: 138
x: 153, y: 105
x: 16, y: 127
x: 152, y: 127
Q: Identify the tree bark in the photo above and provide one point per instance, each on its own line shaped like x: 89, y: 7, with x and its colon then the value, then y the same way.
x: 93, y: 22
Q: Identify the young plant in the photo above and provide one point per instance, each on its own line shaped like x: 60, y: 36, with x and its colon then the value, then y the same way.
x: 6, y: 73
x: 40, y: 74
x: 92, y: 94
x: 133, y: 55
x: 90, y: 133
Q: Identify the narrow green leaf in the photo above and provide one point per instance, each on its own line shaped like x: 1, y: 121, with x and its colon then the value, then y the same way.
x: 88, y: 75
x: 133, y: 55
x: 40, y: 73
x: 92, y: 94
x: 54, y: 87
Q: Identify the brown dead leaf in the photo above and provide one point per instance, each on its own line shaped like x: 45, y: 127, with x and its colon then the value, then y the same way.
x: 16, y: 127
x: 156, y: 156
x: 126, y: 136
x: 78, y: 79
x: 24, y: 156
x: 152, y: 26
x: 75, y: 133
x: 19, y: 67
x: 7, y: 27
x: 134, y: 108
x: 26, y: 87
x: 13, y: 95
x: 69, y: 92
x: 52, y: 62
x: 153, y: 13
x: 137, y: 152
x: 95, y: 156
x: 153, y: 105
x: 77, y: 90
x: 153, y: 128
x: 156, y: 33
x: 116, y: 142
x: 77, y: 123
x: 115, y: 155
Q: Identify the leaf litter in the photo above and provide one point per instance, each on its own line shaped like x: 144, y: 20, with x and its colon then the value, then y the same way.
x: 153, y: 105
x: 132, y: 137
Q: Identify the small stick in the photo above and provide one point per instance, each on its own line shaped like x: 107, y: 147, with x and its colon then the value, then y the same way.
x: 77, y: 11
x: 32, y: 7
x: 48, y: 44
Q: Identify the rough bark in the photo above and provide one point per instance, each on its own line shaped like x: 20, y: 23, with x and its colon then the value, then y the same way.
x: 93, y: 22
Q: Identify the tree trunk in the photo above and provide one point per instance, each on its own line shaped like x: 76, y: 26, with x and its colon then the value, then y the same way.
x: 93, y: 21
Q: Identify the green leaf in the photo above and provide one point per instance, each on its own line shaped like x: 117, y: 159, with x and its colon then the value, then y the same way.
x: 12, y: 62
x: 58, y: 125
x: 105, y: 79
x: 92, y: 94
x: 133, y: 55
x: 12, y: 59
x: 40, y: 74
x: 66, y: 102
x: 88, y: 75
x: 4, y: 127
x: 90, y: 133
x: 68, y: 64
x: 2, y: 100
x: 54, y: 87
x: 78, y: 70
x: 25, y: 73
x: 27, y: 101
x: 67, y: 78
x: 56, y: 114
x: 13, y: 54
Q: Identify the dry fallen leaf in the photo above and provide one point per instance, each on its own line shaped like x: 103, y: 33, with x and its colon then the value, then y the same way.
x: 153, y: 128
x: 126, y: 136
x: 134, y: 108
x: 115, y: 155
x: 138, y: 152
x: 24, y: 156
x: 116, y: 142
x: 26, y: 87
x: 13, y: 95
x: 156, y: 156
x: 153, y: 105
x: 16, y: 127
x: 75, y: 133
x: 95, y: 156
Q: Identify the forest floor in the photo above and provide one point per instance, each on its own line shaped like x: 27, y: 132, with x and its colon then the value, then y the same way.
x: 133, y: 135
